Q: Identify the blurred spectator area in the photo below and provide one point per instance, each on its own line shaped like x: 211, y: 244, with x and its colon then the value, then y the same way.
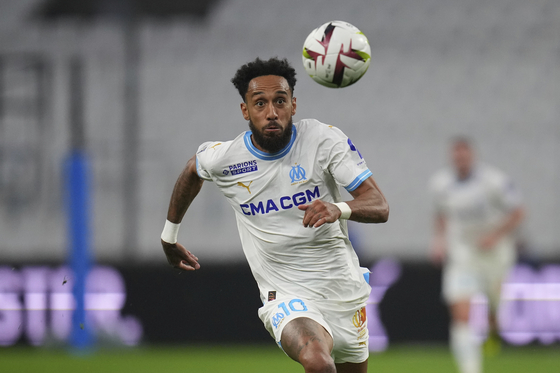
x: 486, y: 69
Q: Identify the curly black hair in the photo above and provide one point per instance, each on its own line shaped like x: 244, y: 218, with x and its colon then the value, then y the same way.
x: 258, y: 67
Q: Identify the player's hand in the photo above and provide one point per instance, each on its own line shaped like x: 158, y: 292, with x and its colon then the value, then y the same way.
x: 438, y: 251
x: 319, y: 213
x: 488, y: 242
x: 179, y: 257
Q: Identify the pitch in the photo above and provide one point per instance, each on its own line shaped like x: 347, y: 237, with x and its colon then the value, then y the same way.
x: 259, y: 359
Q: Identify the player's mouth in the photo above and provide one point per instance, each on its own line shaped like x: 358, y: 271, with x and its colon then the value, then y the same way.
x: 272, y: 128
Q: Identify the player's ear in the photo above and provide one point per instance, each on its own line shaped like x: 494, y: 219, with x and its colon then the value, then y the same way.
x: 294, y: 105
x: 244, y: 111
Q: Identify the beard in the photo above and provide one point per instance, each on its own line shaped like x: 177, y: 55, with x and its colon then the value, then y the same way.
x: 272, y: 143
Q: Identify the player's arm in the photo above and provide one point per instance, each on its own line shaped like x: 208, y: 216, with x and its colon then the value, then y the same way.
x: 508, y: 197
x: 368, y: 206
x: 439, y: 243
x: 186, y: 189
x: 508, y: 225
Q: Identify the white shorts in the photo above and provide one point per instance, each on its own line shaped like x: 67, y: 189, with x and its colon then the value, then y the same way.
x: 462, y: 282
x: 345, y: 322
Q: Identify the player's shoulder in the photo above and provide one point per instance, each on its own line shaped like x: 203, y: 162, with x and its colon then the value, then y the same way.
x: 318, y: 130
x: 491, y: 175
x: 213, y: 150
x: 442, y: 179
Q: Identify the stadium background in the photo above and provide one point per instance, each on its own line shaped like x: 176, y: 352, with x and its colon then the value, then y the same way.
x: 486, y: 69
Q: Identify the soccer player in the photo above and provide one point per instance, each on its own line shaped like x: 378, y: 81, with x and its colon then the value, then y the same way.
x: 281, y: 179
x: 478, y: 209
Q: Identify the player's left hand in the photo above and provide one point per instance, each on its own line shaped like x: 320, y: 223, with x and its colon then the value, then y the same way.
x: 319, y: 213
x: 488, y: 242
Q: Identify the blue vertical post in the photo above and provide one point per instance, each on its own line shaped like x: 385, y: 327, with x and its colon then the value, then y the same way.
x: 78, y: 209
x: 77, y: 186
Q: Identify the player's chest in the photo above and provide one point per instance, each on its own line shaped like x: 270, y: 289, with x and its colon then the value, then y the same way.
x: 468, y: 201
x: 251, y: 178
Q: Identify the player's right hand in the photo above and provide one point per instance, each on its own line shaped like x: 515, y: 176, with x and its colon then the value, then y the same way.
x: 438, y: 251
x: 318, y: 213
x: 179, y: 257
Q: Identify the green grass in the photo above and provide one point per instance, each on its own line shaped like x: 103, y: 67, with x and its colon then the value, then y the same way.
x: 261, y: 359
x: 436, y: 359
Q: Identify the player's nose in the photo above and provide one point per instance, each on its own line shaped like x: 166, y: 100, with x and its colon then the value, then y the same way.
x: 272, y: 114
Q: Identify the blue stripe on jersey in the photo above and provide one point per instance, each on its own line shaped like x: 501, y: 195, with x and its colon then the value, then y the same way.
x: 268, y: 156
x: 358, y: 180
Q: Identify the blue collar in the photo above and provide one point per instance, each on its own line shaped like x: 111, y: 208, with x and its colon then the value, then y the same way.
x: 471, y: 176
x: 269, y: 156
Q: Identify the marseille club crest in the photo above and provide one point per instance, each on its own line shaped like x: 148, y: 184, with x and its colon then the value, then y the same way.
x: 297, y: 173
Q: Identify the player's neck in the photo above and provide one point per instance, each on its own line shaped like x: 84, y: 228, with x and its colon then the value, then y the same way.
x: 465, y: 174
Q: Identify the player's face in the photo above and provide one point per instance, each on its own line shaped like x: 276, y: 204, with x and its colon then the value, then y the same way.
x: 269, y: 108
x: 463, y: 158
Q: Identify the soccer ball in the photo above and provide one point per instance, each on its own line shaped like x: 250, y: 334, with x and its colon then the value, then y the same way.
x: 336, y: 54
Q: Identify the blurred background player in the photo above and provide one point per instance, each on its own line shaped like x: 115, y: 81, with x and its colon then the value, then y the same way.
x: 477, y: 210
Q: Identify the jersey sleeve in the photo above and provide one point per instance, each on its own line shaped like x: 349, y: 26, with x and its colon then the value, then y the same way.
x: 437, y: 192
x: 505, y: 193
x: 203, y: 161
x: 345, y: 162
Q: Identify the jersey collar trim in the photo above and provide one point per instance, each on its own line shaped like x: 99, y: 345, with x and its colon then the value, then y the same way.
x: 268, y: 156
x: 472, y: 176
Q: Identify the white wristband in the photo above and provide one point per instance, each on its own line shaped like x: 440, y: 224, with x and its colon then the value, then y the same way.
x: 344, y: 209
x: 170, y: 232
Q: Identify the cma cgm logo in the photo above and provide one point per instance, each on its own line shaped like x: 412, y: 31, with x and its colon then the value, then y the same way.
x: 36, y: 303
x: 282, y: 203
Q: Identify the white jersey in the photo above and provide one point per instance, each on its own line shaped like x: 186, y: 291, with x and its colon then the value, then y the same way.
x: 265, y: 191
x: 474, y: 207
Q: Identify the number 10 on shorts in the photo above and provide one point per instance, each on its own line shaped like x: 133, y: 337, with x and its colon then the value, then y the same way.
x: 295, y: 305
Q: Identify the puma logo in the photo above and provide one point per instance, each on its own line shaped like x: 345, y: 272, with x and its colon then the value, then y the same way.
x: 245, y: 186
x: 213, y: 146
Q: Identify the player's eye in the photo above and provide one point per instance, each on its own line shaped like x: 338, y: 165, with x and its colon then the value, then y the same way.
x: 259, y: 103
x: 281, y: 101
